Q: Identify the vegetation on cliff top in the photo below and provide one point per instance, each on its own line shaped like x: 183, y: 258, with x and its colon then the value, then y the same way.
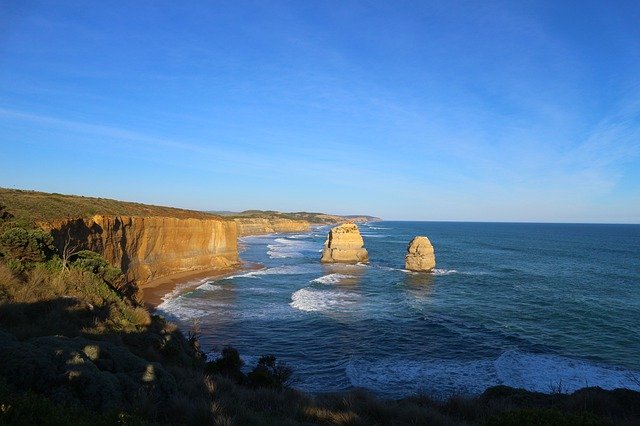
x: 319, y: 218
x: 29, y: 207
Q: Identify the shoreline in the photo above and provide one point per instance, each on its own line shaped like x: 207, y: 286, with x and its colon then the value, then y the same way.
x: 153, y: 293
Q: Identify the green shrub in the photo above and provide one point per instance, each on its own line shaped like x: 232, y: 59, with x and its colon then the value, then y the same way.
x: 99, y: 375
x: 93, y: 262
x: 88, y: 260
x: 24, y: 247
x: 4, y: 214
x: 28, y: 408
x: 228, y: 365
x: 269, y: 374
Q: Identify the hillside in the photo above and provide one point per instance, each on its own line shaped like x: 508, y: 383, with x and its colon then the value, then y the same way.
x: 30, y: 207
x: 314, y: 218
x: 35, y: 206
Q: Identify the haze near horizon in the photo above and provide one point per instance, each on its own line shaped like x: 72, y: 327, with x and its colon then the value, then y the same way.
x: 408, y: 110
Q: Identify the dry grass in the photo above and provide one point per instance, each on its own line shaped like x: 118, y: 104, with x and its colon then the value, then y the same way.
x: 30, y: 207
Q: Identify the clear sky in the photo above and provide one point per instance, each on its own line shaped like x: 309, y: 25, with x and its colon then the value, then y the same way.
x: 410, y: 110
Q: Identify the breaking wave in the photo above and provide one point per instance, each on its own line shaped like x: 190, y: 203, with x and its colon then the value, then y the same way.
x: 332, y: 278
x: 310, y: 300
x: 443, y: 378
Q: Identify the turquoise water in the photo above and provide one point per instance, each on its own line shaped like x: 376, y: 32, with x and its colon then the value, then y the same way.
x: 538, y: 306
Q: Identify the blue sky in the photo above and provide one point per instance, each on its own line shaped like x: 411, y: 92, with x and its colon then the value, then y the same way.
x: 487, y: 111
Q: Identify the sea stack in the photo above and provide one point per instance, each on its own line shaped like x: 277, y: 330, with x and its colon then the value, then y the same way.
x: 344, y: 245
x: 420, y: 256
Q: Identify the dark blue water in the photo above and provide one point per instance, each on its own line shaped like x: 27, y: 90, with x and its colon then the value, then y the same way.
x: 539, y: 306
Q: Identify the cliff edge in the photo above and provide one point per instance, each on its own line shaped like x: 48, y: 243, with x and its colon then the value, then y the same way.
x: 261, y: 226
x: 147, y: 248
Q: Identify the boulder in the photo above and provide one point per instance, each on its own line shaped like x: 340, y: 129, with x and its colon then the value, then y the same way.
x: 344, y: 245
x: 420, y: 256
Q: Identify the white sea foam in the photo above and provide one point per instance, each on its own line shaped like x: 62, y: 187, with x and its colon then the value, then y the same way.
x: 181, y: 309
x: 277, y: 254
x: 310, y: 300
x: 388, y: 268
x: 443, y: 378
x: 282, y: 248
x: 437, y: 271
x: 278, y: 270
x: 544, y: 373
x: 438, y: 377
x: 300, y: 236
x: 332, y: 278
x: 209, y: 287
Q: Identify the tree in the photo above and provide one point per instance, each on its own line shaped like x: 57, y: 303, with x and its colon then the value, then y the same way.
x: 69, y: 250
x: 26, y: 245
x: 269, y: 374
x: 228, y: 365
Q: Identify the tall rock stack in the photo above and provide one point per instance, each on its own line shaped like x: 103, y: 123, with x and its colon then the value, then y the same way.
x: 344, y: 245
x: 420, y: 256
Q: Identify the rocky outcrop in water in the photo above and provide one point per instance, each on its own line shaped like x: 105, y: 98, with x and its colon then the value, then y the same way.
x: 420, y: 255
x: 344, y: 245
x: 146, y: 248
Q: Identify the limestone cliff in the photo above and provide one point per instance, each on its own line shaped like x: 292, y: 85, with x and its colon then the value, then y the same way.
x: 261, y: 226
x: 420, y: 255
x: 344, y: 245
x: 146, y: 248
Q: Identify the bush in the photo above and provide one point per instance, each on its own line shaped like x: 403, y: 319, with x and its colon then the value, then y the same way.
x: 88, y: 260
x: 24, y: 247
x: 4, y: 214
x: 269, y: 374
x: 228, y: 365
x: 91, y: 261
x: 28, y: 408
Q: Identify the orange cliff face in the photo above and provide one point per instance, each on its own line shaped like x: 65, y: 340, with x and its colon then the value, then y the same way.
x: 147, y: 248
x: 260, y: 226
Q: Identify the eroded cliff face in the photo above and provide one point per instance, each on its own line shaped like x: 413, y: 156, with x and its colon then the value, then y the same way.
x: 344, y: 245
x: 420, y: 255
x: 146, y: 248
x: 258, y: 226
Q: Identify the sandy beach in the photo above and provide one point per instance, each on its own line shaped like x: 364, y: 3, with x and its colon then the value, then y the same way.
x: 154, y: 291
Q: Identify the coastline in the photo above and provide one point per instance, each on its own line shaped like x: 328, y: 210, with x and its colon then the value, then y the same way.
x: 154, y: 291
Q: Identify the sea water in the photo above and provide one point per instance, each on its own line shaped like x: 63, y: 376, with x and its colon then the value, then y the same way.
x: 545, y: 307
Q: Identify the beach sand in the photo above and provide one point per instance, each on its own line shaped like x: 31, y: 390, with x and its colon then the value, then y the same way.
x: 154, y: 291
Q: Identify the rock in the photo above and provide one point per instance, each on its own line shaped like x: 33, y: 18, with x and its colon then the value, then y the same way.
x: 147, y: 248
x: 261, y: 226
x: 420, y: 256
x: 98, y: 374
x: 344, y: 245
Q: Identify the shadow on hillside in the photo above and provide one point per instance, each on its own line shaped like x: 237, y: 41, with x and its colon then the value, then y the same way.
x: 68, y: 350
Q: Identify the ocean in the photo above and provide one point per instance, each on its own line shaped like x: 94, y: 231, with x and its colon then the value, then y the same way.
x: 545, y: 307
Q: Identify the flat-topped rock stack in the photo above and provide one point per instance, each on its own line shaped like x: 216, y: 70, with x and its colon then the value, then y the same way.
x: 420, y: 255
x: 344, y: 245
